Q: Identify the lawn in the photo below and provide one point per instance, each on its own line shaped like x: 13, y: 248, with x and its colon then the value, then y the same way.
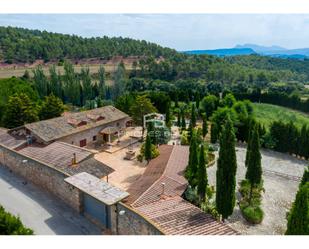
x: 266, y: 114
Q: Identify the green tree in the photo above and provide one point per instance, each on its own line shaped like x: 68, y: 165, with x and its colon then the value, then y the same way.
x: 168, y: 117
x: 178, y: 118
x: 148, y: 148
x: 254, y: 167
x: 40, y: 81
x: 87, y: 92
x: 51, y: 107
x: 193, y: 115
x: 183, y: 120
x: 249, y: 144
x: 101, y: 84
x: 119, y: 81
x: 55, y: 82
x: 191, y: 171
x: 19, y: 111
x: 298, y: 218
x: 125, y: 102
x: 305, y: 177
x: 141, y: 106
x: 72, y: 87
x: 205, y: 125
x: 209, y: 104
x: 229, y: 100
x: 202, y: 180
x: 213, y: 133
x: 226, y: 171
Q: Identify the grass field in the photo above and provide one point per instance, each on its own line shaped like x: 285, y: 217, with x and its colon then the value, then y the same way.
x: 266, y: 114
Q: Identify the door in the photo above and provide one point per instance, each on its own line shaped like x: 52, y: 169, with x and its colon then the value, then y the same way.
x: 97, y: 210
x: 83, y: 143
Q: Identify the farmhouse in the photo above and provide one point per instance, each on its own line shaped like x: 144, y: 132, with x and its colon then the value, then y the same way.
x: 101, y: 125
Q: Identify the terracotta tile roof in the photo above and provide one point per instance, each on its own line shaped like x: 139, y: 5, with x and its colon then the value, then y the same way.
x: 167, y: 209
x: 172, y: 178
x: 153, y: 172
x: 55, y: 128
x: 176, y: 216
x: 59, y: 155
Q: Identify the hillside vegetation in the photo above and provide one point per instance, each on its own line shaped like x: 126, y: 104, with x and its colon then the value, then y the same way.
x: 266, y: 114
x: 24, y: 45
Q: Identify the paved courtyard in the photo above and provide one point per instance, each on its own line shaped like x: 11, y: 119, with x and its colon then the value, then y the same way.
x: 39, y: 210
x: 281, y: 174
x: 126, y: 171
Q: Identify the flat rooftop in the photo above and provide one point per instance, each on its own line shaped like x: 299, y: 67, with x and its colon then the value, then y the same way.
x: 9, y: 140
x: 97, y: 188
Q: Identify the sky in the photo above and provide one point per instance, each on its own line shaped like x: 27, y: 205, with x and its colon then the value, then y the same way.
x: 178, y: 31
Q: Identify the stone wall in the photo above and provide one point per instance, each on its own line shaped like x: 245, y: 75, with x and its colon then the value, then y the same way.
x: 41, y: 174
x: 51, y: 179
x: 133, y: 223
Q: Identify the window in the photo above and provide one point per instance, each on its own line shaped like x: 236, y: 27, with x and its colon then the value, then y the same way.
x: 94, y: 138
x: 82, y: 143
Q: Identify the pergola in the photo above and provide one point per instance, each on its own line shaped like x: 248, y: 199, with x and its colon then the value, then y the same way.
x: 109, y: 131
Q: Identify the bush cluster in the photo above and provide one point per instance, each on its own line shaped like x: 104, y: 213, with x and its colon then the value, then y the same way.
x: 11, y: 225
x: 251, y: 211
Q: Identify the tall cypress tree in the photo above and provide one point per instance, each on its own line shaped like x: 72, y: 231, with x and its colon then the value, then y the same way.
x: 205, y: 125
x: 202, y: 180
x: 179, y: 118
x: 147, y: 152
x: 254, y: 168
x: 168, y: 116
x: 305, y: 177
x: 213, y: 133
x: 251, y: 127
x: 191, y: 170
x: 298, y: 218
x: 101, y: 85
x: 193, y: 115
x: 226, y: 171
x: 183, y: 120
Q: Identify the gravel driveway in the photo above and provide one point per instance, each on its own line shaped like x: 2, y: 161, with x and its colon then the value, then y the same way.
x: 281, y: 175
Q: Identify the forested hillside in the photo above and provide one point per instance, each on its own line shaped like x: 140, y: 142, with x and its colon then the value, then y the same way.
x: 270, y: 63
x: 24, y: 45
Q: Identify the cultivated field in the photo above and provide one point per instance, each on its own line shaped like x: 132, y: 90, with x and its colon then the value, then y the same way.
x: 266, y: 114
x: 18, y: 71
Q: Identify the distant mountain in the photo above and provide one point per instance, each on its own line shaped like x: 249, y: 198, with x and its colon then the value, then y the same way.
x: 247, y: 49
x: 224, y: 51
x: 277, y: 51
x: 261, y: 49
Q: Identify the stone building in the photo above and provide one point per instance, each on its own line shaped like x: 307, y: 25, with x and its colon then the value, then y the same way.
x: 100, y: 125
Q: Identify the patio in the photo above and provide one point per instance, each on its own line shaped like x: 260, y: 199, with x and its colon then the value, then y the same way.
x: 123, y: 139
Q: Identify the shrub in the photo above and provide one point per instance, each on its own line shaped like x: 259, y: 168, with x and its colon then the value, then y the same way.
x: 184, y: 138
x: 253, y: 214
x: 154, y: 151
x: 11, y: 225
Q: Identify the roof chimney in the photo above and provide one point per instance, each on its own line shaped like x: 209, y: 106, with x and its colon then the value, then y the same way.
x: 74, y: 159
